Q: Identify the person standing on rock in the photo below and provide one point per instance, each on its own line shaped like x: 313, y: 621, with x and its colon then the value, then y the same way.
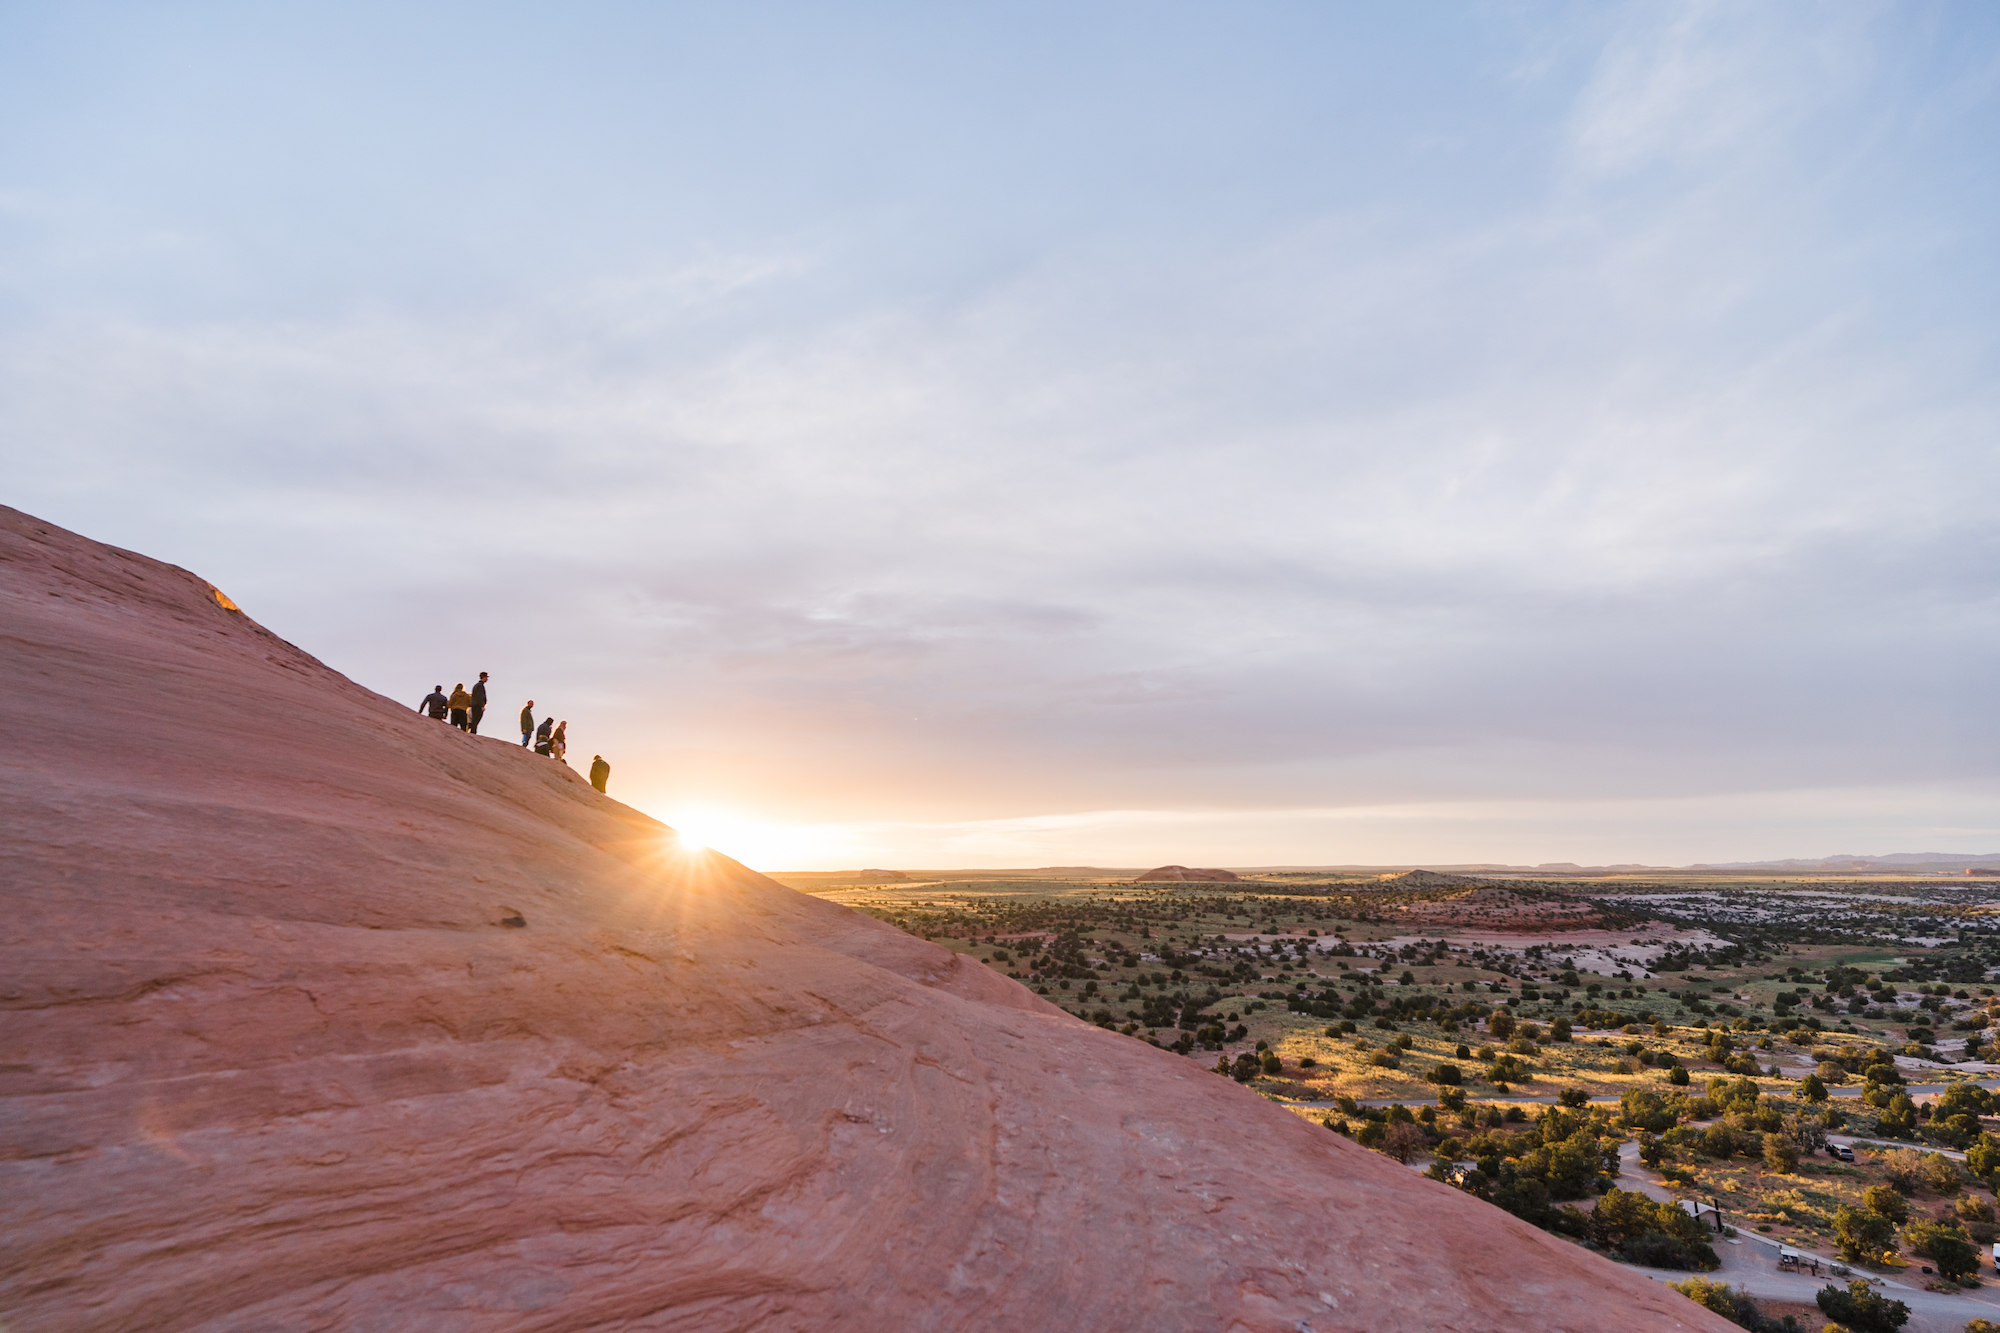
x: 600, y: 772
x: 559, y: 740
x: 478, y: 704
x: 528, y: 724
x: 434, y: 704
x: 460, y: 702
x: 542, y: 734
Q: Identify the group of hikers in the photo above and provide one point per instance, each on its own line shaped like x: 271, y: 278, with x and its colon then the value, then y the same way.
x: 464, y: 708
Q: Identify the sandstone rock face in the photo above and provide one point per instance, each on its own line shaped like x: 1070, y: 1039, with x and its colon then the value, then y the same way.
x: 1183, y: 873
x: 270, y: 1059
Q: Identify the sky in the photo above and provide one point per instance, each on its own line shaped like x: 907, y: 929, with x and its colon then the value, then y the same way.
x: 1089, y: 434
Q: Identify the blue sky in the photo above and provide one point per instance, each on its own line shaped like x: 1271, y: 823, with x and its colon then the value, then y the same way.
x: 1115, y: 434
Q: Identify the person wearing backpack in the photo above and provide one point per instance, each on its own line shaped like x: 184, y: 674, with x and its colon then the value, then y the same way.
x: 543, y: 734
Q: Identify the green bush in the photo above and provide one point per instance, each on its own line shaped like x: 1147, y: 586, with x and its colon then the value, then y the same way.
x: 1780, y: 1154
x: 1862, y: 1310
x: 1678, y: 1076
x: 1642, y: 1108
x: 1881, y: 1199
x: 1737, y: 1305
x: 1860, y: 1232
x: 1956, y: 1256
x: 1984, y: 1156
x: 1659, y: 1235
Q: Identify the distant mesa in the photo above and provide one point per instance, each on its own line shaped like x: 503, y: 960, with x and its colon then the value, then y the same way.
x: 1183, y: 873
x: 883, y: 876
x: 1426, y: 879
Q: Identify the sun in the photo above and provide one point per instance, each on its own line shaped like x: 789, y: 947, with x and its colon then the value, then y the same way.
x: 759, y: 843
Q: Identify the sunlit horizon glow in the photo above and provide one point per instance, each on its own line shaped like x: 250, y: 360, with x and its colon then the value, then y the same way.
x: 989, y: 435
x: 1513, y: 833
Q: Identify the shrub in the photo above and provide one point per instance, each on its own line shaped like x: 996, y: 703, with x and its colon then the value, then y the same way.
x: 1737, y: 1306
x: 1940, y: 1174
x: 1660, y: 1235
x: 1307, y: 1062
x: 1642, y: 1108
x: 1861, y: 1309
x: 1881, y: 1199
x: 1954, y: 1253
x: 1862, y: 1232
x: 1812, y: 1089
x: 1780, y: 1154
x: 1829, y: 1072
x: 1974, y: 1211
x: 1501, y: 1024
x: 1385, y: 1060
x: 1903, y: 1167
x: 1984, y: 1156
x: 1719, y: 1142
x: 1678, y: 1076
x: 1403, y: 1141
x: 1447, y: 1074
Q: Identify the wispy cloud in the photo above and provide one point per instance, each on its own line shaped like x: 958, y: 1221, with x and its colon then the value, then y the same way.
x: 1623, y: 474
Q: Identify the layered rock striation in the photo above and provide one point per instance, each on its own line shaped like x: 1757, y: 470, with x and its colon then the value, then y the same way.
x: 270, y: 1059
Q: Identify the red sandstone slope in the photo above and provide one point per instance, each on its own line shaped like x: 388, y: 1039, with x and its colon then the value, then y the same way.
x: 267, y: 1060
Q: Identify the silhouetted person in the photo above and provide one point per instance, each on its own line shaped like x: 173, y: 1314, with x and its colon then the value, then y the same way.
x: 434, y: 704
x: 527, y: 724
x: 460, y: 702
x: 478, y: 704
x: 559, y: 740
x: 600, y: 772
x: 542, y: 734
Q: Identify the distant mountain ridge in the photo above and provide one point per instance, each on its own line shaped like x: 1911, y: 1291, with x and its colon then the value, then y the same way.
x: 1845, y: 861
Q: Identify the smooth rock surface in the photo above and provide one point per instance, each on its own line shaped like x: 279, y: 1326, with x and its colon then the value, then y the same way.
x: 268, y: 1060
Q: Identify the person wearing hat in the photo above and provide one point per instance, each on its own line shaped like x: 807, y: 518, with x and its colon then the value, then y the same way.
x: 435, y: 705
x: 478, y: 709
x: 600, y: 772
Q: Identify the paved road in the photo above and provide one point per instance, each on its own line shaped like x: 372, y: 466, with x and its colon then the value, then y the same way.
x: 1919, y: 1091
